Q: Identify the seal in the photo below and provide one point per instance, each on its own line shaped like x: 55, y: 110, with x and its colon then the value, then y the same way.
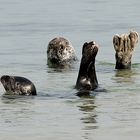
x: 16, y: 85
x: 60, y: 52
x: 124, y: 46
x: 87, y: 79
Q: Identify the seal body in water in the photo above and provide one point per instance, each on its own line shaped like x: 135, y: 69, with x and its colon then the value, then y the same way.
x: 15, y: 85
x: 60, y: 52
x: 124, y: 46
x: 87, y: 79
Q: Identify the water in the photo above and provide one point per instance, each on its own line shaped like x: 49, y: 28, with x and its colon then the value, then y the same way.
x: 26, y: 27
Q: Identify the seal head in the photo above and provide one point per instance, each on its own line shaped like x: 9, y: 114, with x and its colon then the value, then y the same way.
x: 16, y: 85
x: 60, y: 52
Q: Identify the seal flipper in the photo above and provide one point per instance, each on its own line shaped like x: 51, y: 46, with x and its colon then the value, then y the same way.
x: 87, y: 79
x: 92, y: 75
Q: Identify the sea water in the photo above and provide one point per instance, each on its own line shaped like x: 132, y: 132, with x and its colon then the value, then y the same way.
x: 56, y: 113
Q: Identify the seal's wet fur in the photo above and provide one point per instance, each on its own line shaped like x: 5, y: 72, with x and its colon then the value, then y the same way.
x: 60, y: 52
x: 15, y: 85
x: 87, y: 79
x: 124, y: 46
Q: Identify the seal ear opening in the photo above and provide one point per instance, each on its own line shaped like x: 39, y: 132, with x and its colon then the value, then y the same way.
x: 116, y: 42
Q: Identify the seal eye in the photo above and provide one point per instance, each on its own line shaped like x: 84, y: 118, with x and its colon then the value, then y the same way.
x: 17, y: 84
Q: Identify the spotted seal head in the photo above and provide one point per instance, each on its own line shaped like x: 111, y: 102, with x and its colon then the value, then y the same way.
x: 124, y: 46
x: 15, y: 85
x: 87, y: 79
x: 60, y: 52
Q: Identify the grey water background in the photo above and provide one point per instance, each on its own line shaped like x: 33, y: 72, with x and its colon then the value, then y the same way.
x: 26, y: 27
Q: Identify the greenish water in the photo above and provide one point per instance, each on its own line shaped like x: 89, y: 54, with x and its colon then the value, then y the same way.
x: 26, y: 27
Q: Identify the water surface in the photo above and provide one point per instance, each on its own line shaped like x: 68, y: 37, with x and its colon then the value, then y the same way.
x: 26, y: 27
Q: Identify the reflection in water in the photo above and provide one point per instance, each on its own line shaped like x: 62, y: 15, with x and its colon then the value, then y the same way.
x: 11, y: 99
x: 61, y: 69
x: 15, y: 111
x: 86, y: 94
x: 122, y: 76
x: 89, y: 115
x: 125, y: 73
x: 83, y: 93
